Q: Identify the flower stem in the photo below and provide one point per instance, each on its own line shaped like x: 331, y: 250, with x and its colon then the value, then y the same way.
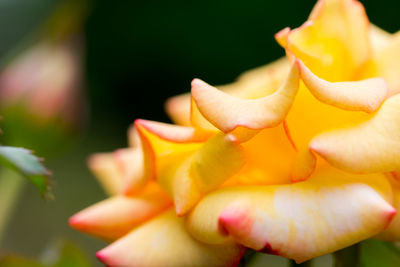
x: 11, y: 184
x: 303, y: 264
x: 348, y: 257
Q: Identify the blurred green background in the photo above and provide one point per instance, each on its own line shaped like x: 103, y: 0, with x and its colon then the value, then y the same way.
x: 136, y: 55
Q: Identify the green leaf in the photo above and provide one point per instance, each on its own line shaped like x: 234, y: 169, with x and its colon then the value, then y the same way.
x: 30, y: 166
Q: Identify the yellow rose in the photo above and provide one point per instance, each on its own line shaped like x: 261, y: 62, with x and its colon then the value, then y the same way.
x: 297, y: 158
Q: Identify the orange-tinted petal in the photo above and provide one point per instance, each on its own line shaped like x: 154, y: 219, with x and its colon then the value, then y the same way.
x: 329, y: 211
x: 269, y: 157
x: 304, y: 165
x: 189, y: 176
x: 188, y: 170
x: 156, y: 143
x: 164, y: 241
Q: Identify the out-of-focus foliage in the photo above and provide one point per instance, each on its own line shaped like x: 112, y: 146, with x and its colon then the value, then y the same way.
x: 378, y: 253
x: 41, y: 84
x: 67, y: 255
x: 30, y: 166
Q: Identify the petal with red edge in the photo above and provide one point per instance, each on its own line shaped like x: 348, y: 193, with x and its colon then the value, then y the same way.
x: 164, y: 241
x: 112, y: 218
x: 329, y: 211
x: 133, y: 136
x: 175, y: 133
x: 252, y: 84
x: 188, y: 176
x: 156, y: 143
x: 371, y: 146
x: 334, y: 43
x: 392, y: 233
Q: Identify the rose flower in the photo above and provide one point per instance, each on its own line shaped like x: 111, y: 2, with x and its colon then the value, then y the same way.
x: 298, y: 158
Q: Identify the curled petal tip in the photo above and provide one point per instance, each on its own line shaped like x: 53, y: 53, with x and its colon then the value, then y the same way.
x: 101, y: 257
x: 227, y: 112
x: 391, y: 213
x: 174, y: 133
x: 281, y: 36
x: 75, y: 222
x: 197, y: 82
x: 365, y: 95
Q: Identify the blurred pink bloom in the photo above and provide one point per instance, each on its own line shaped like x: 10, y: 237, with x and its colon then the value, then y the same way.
x: 45, y: 80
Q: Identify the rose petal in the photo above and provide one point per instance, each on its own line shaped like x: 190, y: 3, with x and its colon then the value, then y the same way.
x: 131, y: 166
x: 189, y: 176
x: 251, y: 84
x: 114, y: 217
x: 334, y: 43
x: 188, y: 170
x: 300, y: 221
x: 304, y: 165
x: 165, y: 242
x: 227, y: 112
x: 197, y: 119
x: 379, y: 38
x: 392, y: 233
x: 133, y: 136
x: 155, y: 145
x: 106, y: 170
x: 386, y: 64
x: 366, y: 95
x: 178, y: 109
x: 269, y: 157
x: 371, y: 146
x: 156, y: 148
x: 175, y: 133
